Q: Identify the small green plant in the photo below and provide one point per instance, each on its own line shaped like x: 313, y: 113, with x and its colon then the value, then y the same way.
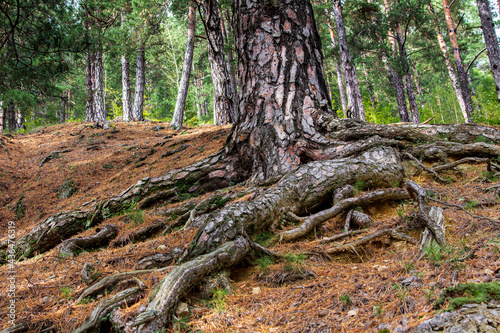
x: 407, y: 266
x: 465, y: 293
x: 429, y: 294
x: 294, y: 263
x: 263, y: 238
x: 480, y: 138
x: 66, y: 292
x: 434, y: 253
x: 107, y: 166
x: 359, y: 186
x: 86, y: 300
x: 135, y: 217
x: 264, y: 263
x: 378, y: 310
x: 219, y: 298
x: 401, y: 292
x: 471, y: 204
x: 345, y: 298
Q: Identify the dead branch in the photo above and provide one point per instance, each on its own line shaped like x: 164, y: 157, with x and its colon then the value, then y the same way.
x: 339, y: 236
x: 104, y: 307
x: 316, y: 219
x: 422, y: 166
x: 266, y: 251
x: 111, y: 280
x: 462, y: 161
x: 420, y: 196
x: 70, y: 247
x: 80, y: 131
x: 465, y: 210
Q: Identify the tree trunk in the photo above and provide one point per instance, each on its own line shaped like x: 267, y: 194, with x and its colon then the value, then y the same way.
x: 338, y: 71
x: 11, y: 114
x: 462, y: 75
x: 127, y: 110
x: 491, y: 41
x: 62, y: 115
x: 409, y: 82
x: 20, y: 117
x: 2, y: 117
x: 399, y: 88
x: 186, y: 72
x: 225, y: 112
x: 98, y: 89
x: 89, y: 88
x: 140, y: 81
x: 354, y: 96
x: 230, y: 60
x: 417, y: 80
x: 283, y: 92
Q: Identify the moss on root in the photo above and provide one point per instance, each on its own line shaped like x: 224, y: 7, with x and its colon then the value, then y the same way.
x: 466, y: 293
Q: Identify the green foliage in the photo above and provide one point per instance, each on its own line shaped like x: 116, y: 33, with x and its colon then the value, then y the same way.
x: 66, y: 291
x: 465, y: 293
x: 401, y: 292
x: 264, y: 238
x: 136, y: 217
x: 264, y: 263
x: 218, y: 302
x: 359, y: 186
x: 434, y: 253
x: 345, y: 298
x: 294, y: 263
x: 471, y: 204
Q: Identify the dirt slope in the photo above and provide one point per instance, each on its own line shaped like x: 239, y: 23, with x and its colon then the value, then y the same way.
x: 359, y: 291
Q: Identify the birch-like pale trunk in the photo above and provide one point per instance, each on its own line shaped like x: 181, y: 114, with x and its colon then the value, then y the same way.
x: 338, y: 71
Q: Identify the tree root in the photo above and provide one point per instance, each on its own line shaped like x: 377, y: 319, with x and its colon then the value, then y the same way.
x: 141, y: 234
x: 111, y: 280
x: 157, y: 197
x: 126, y: 297
x: 315, y: 220
x: 159, y: 260
x: 70, y: 247
x: 479, y: 217
x: 462, y: 161
x: 54, y: 155
x: 454, y: 149
x: 422, y: 166
x: 340, y: 236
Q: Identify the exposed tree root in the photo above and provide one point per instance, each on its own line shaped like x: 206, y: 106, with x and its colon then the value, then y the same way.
x: 126, y: 297
x: 141, y: 234
x: 340, y: 236
x: 111, y: 280
x: 479, y: 217
x: 159, y: 260
x: 454, y: 149
x: 315, y: 220
x: 160, y: 196
x: 422, y: 166
x: 462, y: 161
x: 70, y: 247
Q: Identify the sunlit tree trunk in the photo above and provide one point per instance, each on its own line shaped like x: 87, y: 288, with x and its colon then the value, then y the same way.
x: 462, y: 76
x: 2, y: 117
x: 338, y: 71
x: 126, y: 107
x: 140, y: 84
x: 491, y: 41
x: 225, y: 111
x: 354, y: 97
x: 186, y: 72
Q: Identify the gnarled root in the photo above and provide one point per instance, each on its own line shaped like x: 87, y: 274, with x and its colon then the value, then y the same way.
x: 70, y: 247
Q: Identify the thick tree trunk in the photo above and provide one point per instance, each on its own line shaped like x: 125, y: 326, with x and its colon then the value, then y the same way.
x: 225, y: 112
x: 62, y: 115
x: 186, y: 72
x: 354, y: 96
x: 11, y: 115
x: 140, y: 82
x: 89, y: 88
x: 283, y: 92
x: 491, y: 41
x: 127, y: 110
x: 98, y: 89
x: 338, y: 71
x: 462, y: 75
x: 409, y: 82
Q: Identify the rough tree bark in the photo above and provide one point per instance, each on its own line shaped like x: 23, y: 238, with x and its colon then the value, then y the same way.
x: 89, y: 79
x: 98, y: 90
x: 338, y: 71
x: 462, y: 75
x: 491, y: 41
x: 140, y: 82
x: 127, y: 110
x: 354, y: 96
x: 408, y: 79
x: 225, y: 112
x: 230, y: 59
x: 186, y: 71
x: 11, y: 116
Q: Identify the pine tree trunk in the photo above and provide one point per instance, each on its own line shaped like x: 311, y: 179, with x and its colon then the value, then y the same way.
x: 140, y: 82
x: 354, y: 97
x: 89, y: 88
x: 186, y: 72
x: 225, y: 112
x: 462, y: 76
x: 417, y: 80
x: 338, y: 71
x: 408, y: 79
x: 11, y: 114
x: 230, y: 61
x: 491, y: 41
x: 127, y: 113
x: 62, y: 115
x: 283, y: 92
x: 98, y: 89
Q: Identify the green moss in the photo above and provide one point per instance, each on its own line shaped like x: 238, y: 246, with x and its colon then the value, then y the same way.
x: 466, y: 293
x: 20, y: 208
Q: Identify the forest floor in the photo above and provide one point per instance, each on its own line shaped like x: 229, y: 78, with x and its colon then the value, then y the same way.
x: 380, y: 285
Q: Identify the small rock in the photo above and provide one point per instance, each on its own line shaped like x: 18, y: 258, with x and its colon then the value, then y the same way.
x: 256, y: 291
x: 408, y: 281
x: 161, y: 247
x: 182, y: 310
x: 352, y: 312
x: 381, y: 268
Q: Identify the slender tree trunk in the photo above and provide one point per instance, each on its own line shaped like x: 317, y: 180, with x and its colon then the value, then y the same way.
x: 89, y: 88
x: 354, y: 96
x: 462, y: 76
x: 98, y: 89
x: 127, y: 110
x: 397, y: 83
x: 282, y: 86
x: 417, y: 80
x: 2, y: 117
x: 20, y: 118
x: 62, y: 116
x: 369, y: 87
x: 186, y: 72
x: 408, y: 79
x: 225, y: 112
x: 491, y: 41
x: 11, y: 114
x: 140, y: 83
x: 338, y: 71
